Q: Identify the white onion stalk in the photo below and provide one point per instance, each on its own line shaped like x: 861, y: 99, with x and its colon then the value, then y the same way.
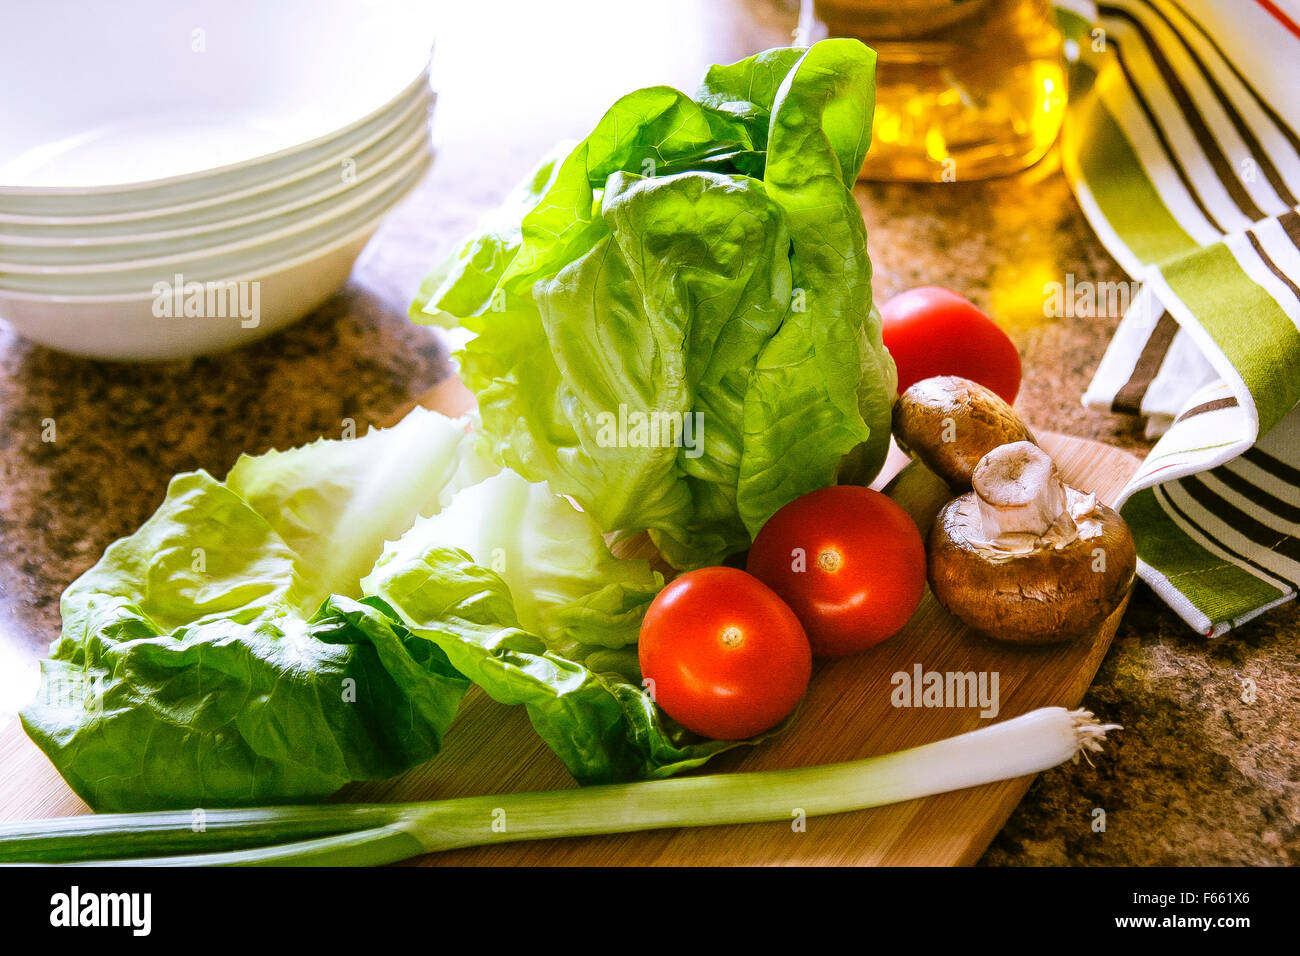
x: 367, y: 835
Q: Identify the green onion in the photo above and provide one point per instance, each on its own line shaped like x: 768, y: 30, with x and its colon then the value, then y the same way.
x: 369, y: 835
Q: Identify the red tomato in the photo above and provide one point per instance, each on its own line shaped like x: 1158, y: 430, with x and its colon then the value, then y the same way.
x: 727, y: 657
x: 932, y: 331
x: 848, y: 561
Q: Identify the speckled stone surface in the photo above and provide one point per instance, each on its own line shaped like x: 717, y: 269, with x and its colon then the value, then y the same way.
x: 1199, y: 775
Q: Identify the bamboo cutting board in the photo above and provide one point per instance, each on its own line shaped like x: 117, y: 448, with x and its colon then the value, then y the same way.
x: 847, y: 714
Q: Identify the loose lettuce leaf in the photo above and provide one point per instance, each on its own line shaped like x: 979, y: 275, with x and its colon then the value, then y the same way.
x: 228, y: 713
x: 317, y: 618
x: 335, y: 503
x: 693, y: 260
x: 564, y: 582
x: 218, y: 657
x: 574, y: 667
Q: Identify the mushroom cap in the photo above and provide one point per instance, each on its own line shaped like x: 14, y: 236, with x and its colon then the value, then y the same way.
x: 950, y: 423
x: 1043, y: 596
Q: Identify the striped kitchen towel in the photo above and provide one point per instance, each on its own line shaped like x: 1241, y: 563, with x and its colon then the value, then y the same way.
x: 1181, y: 145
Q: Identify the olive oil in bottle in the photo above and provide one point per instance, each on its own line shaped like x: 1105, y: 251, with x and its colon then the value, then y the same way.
x: 965, y: 89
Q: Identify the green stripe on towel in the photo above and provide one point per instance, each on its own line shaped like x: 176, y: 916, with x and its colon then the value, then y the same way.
x: 1123, y: 191
x: 1219, y: 588
x: 1265, y: 350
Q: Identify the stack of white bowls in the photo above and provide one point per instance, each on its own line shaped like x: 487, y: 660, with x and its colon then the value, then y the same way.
x: 181, y: 178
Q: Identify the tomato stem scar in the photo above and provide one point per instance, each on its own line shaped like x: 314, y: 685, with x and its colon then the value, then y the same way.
x: 830, y: 560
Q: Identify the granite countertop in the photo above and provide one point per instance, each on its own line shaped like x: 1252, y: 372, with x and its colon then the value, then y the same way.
x: 1199, y: 775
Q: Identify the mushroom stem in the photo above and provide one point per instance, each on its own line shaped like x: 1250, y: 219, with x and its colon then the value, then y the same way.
x: 1020, y: 492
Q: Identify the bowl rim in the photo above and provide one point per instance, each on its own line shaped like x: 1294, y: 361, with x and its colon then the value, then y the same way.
x: 136, y: 186
x: 377, y: 169
x: 335, y: 209
x: 370, y: 226
x: 259, y: 186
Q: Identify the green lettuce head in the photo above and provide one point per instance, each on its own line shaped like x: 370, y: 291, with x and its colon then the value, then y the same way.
x: 317, y: 617
x: 673, y: 321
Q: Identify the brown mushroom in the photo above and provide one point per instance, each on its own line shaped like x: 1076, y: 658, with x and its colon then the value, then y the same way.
x: 950, y: 423
x: 1026, y: 559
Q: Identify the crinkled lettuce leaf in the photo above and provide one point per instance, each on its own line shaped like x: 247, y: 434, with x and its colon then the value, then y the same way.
x: 317, y: 618
x: 536, y: 611
x: 218, y: 656
x: 696, y: 266
x: 563, y: 580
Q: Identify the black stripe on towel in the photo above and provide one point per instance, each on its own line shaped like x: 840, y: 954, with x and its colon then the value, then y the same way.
x: 1270, y: 539
x: 1247, y: 134
x: 1162, y: 139
x: 1290, y: 223
x: 1222, y: 166
x: 1256, y: 495
x: 1272, y: 266
x: 1274, y: 466
x: 1201, y: 409
x: 1128, y: 400
x: 1273, y: 578
x: 1291, y: 136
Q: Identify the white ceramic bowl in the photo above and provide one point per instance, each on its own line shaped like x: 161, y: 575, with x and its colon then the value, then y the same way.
x: 241, y: 260
x: 124, y: 328
x: 177, y: 148
x: 196, y: 92
x: 242, y: 232
x: 127, y: 326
